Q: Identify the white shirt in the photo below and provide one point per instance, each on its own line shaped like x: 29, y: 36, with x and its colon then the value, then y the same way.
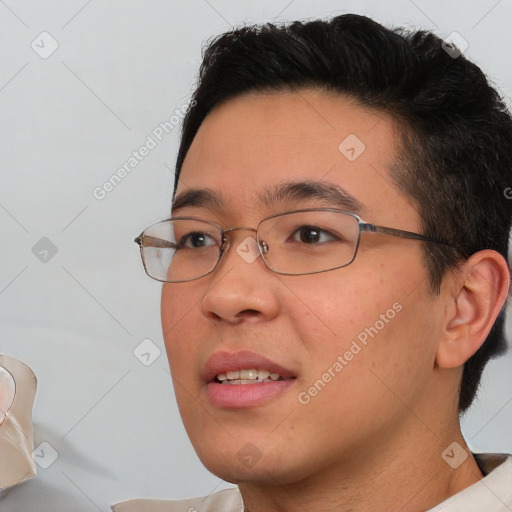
x: 491, y: 494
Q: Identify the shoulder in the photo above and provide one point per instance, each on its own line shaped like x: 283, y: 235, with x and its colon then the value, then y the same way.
x: 228, y: 500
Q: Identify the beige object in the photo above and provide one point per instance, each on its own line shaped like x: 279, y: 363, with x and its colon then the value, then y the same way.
x: 17, y: 391
x: 228, y: 500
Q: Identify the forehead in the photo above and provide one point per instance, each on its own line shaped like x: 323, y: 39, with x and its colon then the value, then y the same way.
x: 257, y: 142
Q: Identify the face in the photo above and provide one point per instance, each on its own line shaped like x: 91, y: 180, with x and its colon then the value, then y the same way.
x: 345, y: 343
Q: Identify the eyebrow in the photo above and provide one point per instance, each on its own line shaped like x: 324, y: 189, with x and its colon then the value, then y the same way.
x: 329, y: 193
x: 200, y: 198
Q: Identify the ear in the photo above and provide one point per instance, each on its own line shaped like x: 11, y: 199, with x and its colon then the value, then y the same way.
x: 477, y: 292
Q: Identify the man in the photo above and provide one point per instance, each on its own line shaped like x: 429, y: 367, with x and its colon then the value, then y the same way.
x: 335, y: 270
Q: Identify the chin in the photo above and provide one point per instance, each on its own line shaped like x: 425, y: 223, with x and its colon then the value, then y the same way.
x: 258, y: 461
x: 234, y: 456
x: 236, y: 473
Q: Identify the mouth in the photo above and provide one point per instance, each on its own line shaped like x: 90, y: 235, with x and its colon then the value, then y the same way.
x: 244, y: 379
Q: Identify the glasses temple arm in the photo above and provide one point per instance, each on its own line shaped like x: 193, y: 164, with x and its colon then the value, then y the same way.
x: 151, y: 241
x: 399, y: 232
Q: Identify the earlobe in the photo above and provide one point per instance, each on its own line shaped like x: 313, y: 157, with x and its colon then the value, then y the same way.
x: 480, y: 291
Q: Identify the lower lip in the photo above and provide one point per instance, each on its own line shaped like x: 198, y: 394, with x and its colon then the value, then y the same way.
x: 244, y: 396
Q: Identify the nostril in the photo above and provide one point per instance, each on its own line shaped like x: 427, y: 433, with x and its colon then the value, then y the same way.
x: 249, y: 312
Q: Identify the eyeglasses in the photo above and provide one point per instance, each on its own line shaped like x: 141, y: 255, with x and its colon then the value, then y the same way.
x: 292, y: 243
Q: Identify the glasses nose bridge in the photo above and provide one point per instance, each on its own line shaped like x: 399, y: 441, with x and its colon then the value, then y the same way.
x: 241, y: 228
x: 225, y: 240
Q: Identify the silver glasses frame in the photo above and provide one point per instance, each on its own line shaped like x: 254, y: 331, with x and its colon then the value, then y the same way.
x: 262, y: 246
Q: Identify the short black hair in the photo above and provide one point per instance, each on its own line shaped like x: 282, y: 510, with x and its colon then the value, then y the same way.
x: 455, y: 133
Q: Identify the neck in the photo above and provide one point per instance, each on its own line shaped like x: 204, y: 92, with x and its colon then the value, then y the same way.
x: 411, y: 475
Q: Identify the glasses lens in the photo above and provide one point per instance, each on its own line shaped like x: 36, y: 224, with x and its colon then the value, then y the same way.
x: 181, y: 249
x: 308, y: 241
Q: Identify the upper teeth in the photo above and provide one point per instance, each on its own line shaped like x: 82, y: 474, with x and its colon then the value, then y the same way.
x: 251, y: 374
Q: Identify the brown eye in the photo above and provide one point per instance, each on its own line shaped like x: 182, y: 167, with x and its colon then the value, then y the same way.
x: 312, y: 235
x: 196, y: 240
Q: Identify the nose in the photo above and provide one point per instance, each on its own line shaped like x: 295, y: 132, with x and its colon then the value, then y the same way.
x: 242, y: 288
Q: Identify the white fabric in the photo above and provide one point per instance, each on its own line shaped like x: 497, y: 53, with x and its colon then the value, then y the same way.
x: 491, y: 494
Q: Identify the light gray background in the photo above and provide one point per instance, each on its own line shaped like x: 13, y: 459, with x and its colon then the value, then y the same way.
x: 68, y: 122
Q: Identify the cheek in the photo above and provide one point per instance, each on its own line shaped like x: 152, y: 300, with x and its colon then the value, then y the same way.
x: 180, y: 308
x: 362, y: 373
x: 343, y: 305
x: 368, y: 327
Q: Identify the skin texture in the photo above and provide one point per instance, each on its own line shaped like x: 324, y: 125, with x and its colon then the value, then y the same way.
x: 372, y: 438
